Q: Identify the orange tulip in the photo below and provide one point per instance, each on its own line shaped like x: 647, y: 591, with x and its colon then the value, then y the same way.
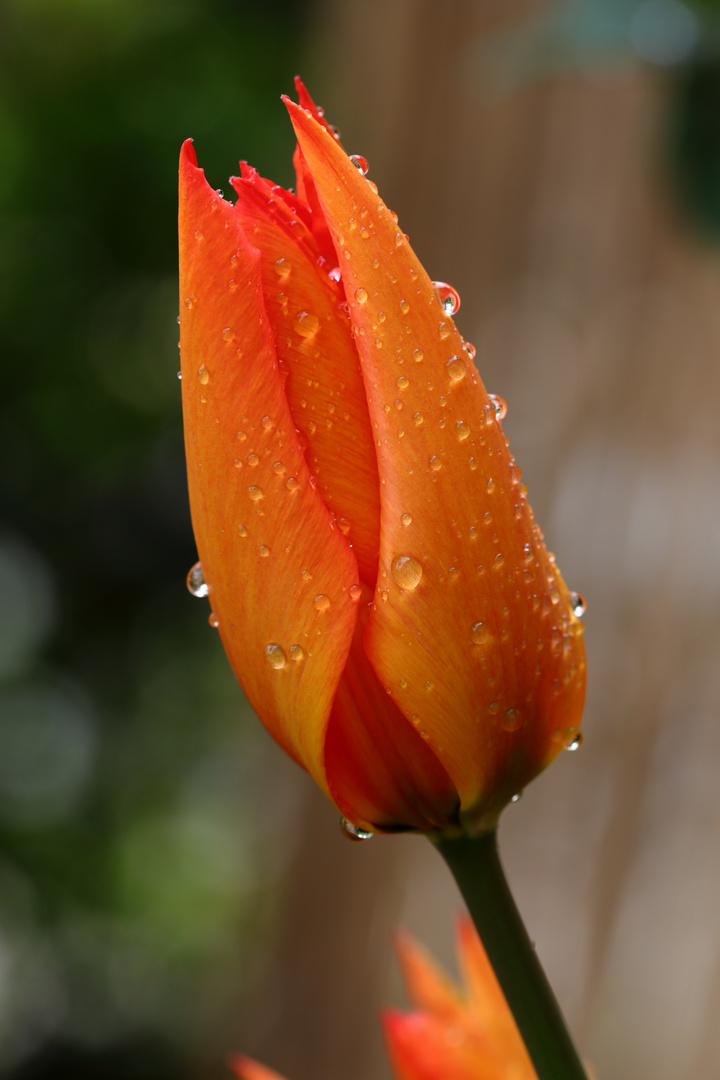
x: 454, y: 1034
x: 373, y: 566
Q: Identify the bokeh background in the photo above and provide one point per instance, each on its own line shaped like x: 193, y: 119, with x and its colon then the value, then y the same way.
x: 171, y: 888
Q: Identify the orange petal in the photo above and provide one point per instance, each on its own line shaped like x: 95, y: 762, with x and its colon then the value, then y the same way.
x: 486, y: 1000
x: 278, y: 573
x: 305, y: 184
x: 317, y: 355
x: 248, y: 1069
x: 475, y: 603
x: 426, y: 984
x: 423, y: 1047
x: 379, y: 768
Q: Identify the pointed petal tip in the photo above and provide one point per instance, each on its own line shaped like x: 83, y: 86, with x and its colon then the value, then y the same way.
x: 187, y: 154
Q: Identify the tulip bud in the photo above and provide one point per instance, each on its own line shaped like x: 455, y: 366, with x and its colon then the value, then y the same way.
x: 373, y: 566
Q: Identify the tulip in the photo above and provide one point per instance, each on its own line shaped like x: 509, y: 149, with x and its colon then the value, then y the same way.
x: 373, y: 566
x: 453, y: 1033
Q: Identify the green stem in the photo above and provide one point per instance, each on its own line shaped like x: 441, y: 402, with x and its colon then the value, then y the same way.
x: 475, y: 864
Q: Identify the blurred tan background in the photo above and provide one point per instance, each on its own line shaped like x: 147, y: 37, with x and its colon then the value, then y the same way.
x: 210, y: 903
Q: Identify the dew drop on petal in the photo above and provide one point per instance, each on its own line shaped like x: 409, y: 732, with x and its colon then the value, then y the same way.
x: 283, y: 268
x: 195, y: 581
x: 321, y: 602
x: 480, y: 634
x: 418, y: 418
x: 361, y: 295
x: 499, y: 406
x: 213, y: 620
x: 406, y: 519
x: 203, y: 375
x: 456, y: 368
x: 275, y: 655
x: 403, y: 382
x: 462, y: 430
x: 406, y: 572
x: 494, y: 708
x: 448, y: 297
x: 297, y: 653
x: 263, y: 551
x: 360, y: 163
x: 242, y: 530
x: 577, y: 605
x: 256, y: 493
x: 576, y: 742
x: 228, y: 334
x: 512, y: 720
x: 306, y: 324
x: 353, y: 832
x: 516, y: 797
x: 355, y: 592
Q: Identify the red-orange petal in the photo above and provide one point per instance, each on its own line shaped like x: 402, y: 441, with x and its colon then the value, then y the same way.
x: 278, y: 573
x: 475, y: 604
x: 423, y: 1047
x: 249, y: 1069
x: 318, y: 361
x: 426, y: 984
x: 485, y: 999
x: 379, y: 769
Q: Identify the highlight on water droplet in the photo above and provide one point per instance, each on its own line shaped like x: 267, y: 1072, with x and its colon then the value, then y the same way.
x: 576, y: 742
x: 361, y: 295
x: 275, y: 655
x: 360, y: 163
x: 499, y: 406
x: 448, y: 297
x: 213, y: 620
x: 195, y: 581
x: 306, y: 324
x: 353, y: 832
x: 456, y: 368
x: 577, y: 605
x: 516, y: 797
x: 512, y: 720
x: 321, y: 602
x: 480, y: 634
x: 406, y: 572
x: 203, y: 375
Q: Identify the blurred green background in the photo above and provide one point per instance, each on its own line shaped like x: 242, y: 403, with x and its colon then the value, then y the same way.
x: 141, y: 863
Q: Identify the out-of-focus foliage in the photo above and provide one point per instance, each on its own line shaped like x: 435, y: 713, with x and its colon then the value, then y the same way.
x: 125, y: 758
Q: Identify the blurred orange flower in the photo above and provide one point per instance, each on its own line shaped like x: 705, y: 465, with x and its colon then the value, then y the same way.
x: 373, y: 566
x: 454, y: 1034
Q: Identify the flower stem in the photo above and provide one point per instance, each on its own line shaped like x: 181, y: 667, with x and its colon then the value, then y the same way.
x: 475, y: 864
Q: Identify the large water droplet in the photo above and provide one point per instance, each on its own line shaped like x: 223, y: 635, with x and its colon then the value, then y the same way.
x: 353, y: 832
x: 456, y: 368
x: 360, y: 163
x: 203, y: 375
x: 480, y: 634
x: 578, y: 605
x: 195, y: 581
x: 498, y: 405
x: 321, y: 602
x: 448, y: 297
x: 297, y: 653
x: 256, y: 493
x: 512, y: 720
x: 406, y: 571
x: 462, y: 430
x: 283, y: 268
x: 576, y: 742
x: 361, y: 295
x: 306, y: 323
x: 275, y: 655
x: 406, y: 519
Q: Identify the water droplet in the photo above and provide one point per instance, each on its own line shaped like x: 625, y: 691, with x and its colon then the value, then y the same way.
x: 404, y: 307
x: 480, y: 634
x: 195, y: 581
x: 360, y: 163
x: 242, y: 530
x: 343, y: 525
x: 447, y: 296
x: 462, y: 429
x: 576, y: 742
x: 306, y: 323
x: 353, y: 832
x: 406, y: 519
x: 203, y: 375
x: 490, y: 486
x: 275, y: 655
x: 241, y: 436
x: 577, y: 605
x: 444, y: 330
x: 266, y: 423
x: 321, y: 602
x: 283, y: 268
x: 494, y: 708
x: 263, y: 551
x: 418, y: 418
x: 470, y: 350
x: 516, y: 797
x: 278, y: 468
x: 256, y: 493
x: 355, y: 592
x: 361, y: 295
x: 228, y: 334
x: 179, y: 374
x: 292, y: 484
x: 406, y: 571
x: 512, y: 720
x: 253, y: 460
x: 213, y: 620
x: 435, y: 463
x: 456, y: 368
x: 499, y: 406
x: 335, y: 274
x: 417, y: 355
x: 305, y: 574
x: 297, y: 653
x: 403, y: 382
